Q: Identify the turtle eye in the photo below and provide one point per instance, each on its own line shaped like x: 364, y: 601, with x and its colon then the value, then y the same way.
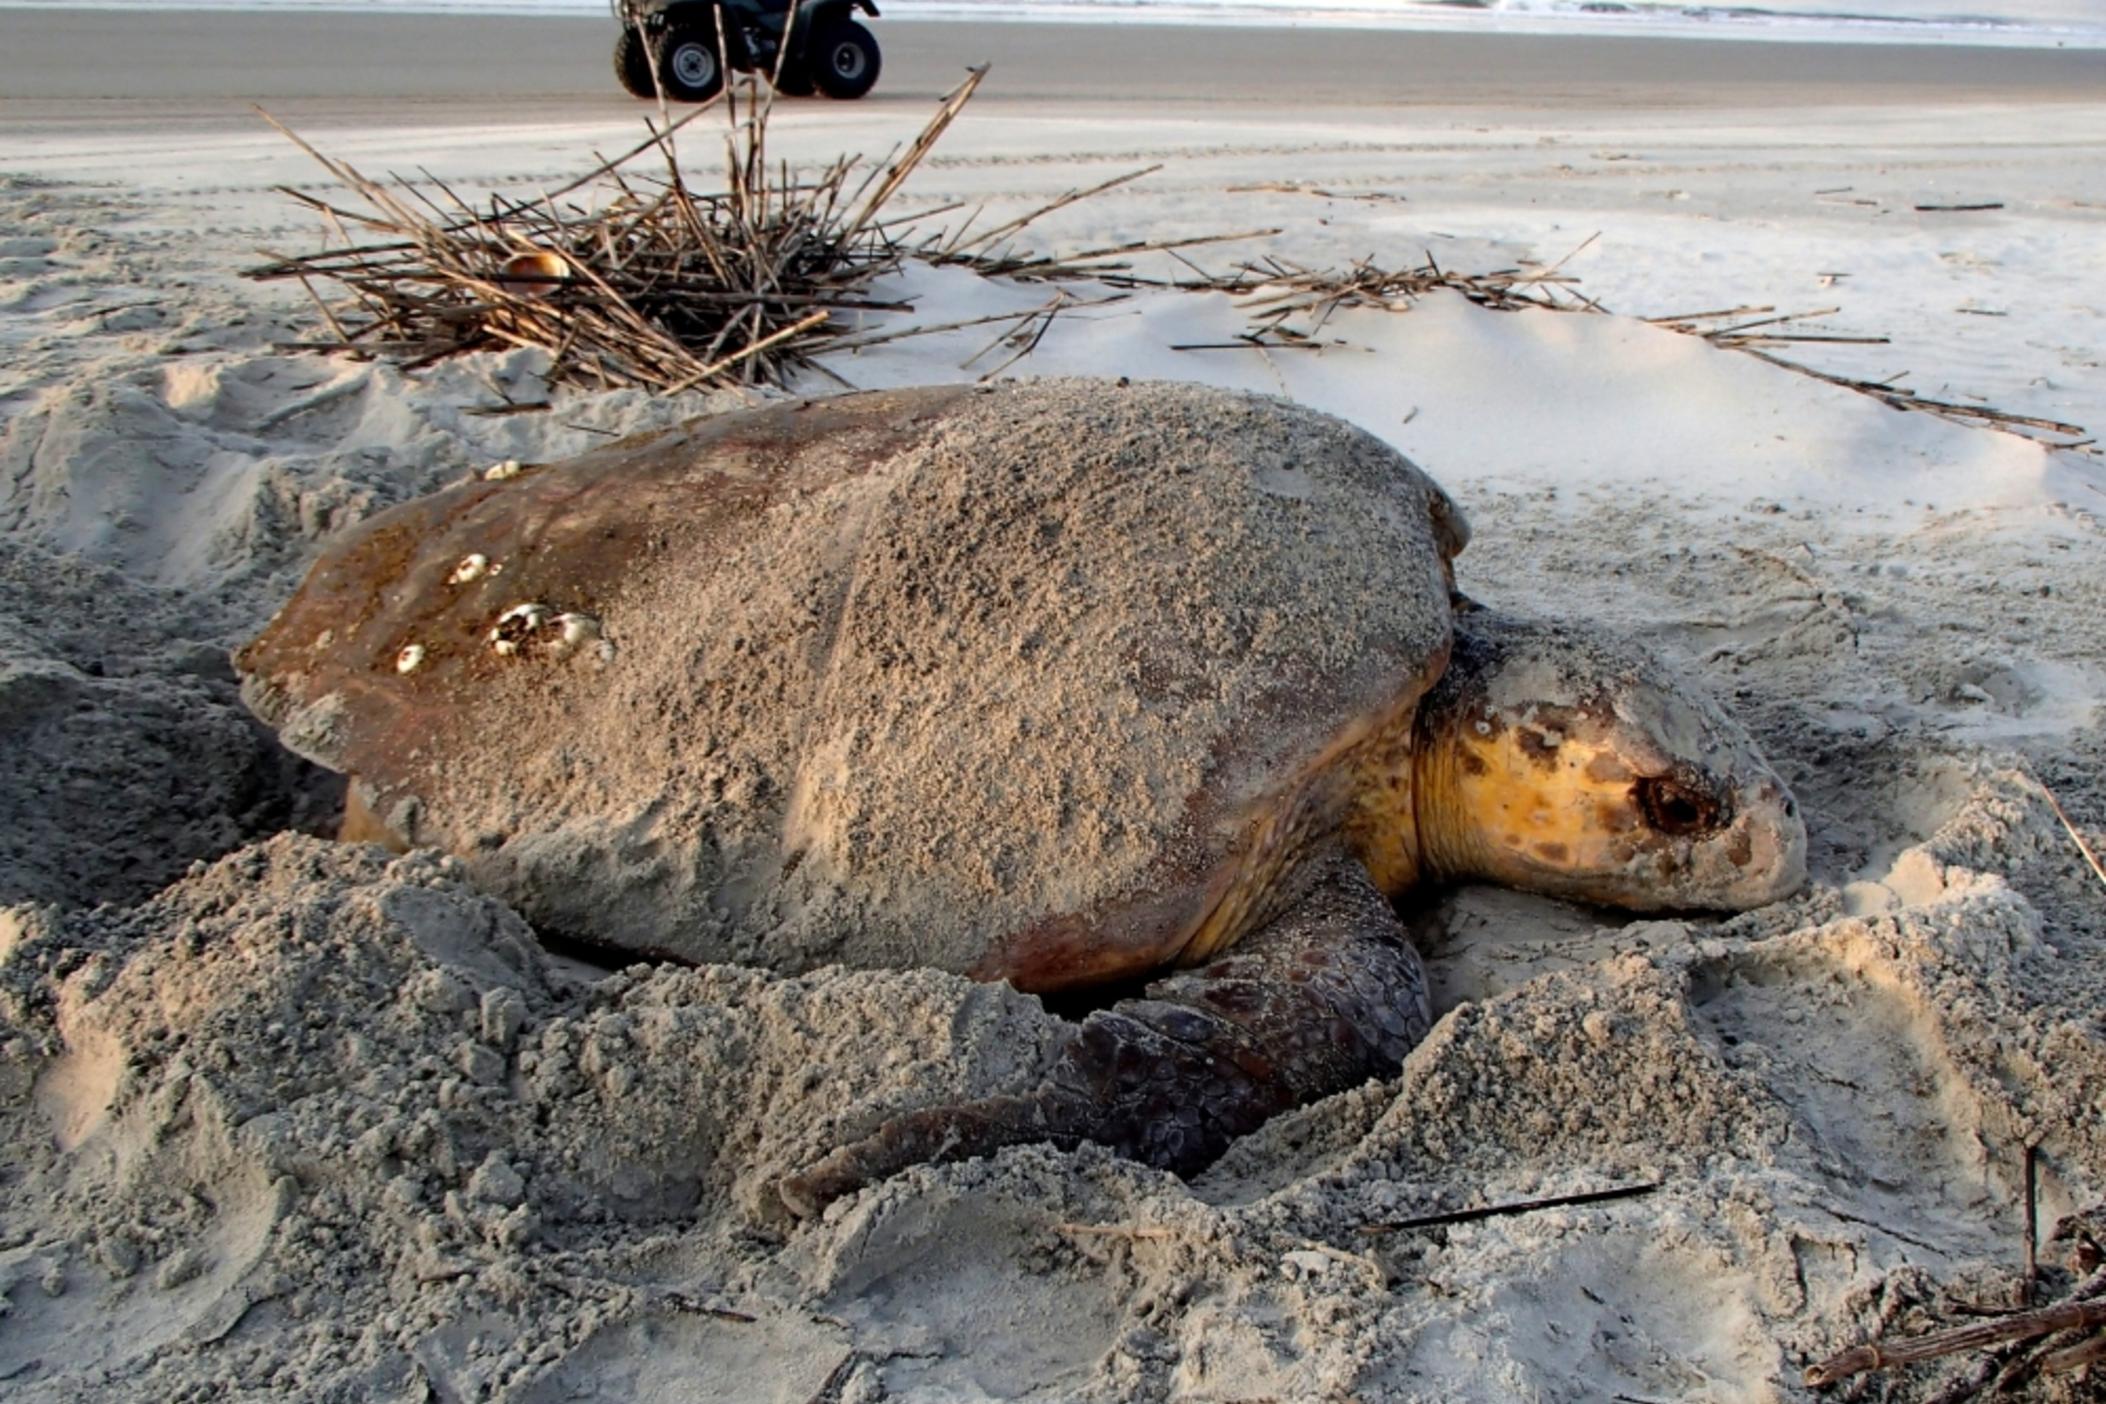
x: 1673, y: 808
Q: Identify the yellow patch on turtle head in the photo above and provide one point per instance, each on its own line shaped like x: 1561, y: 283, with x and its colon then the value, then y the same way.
x: 1545, y: 797
x: 1563, y: 762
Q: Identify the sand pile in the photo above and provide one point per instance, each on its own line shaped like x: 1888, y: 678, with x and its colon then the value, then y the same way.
x: 312, y: 1122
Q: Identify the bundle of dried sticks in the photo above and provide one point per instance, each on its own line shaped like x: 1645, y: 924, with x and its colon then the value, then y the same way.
x: 629, y: 276
x: 645, y: 282
x: 635, y: 277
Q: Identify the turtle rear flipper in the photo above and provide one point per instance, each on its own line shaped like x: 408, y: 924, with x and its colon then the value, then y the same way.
x: 1327, y: 996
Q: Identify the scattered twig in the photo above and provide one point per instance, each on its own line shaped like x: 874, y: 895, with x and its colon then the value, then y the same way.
x: 1526, y: 1206
x: 2032, y: 1277
x: 645, y: 281
x: 2070, y: 828
x: 1152, y: 1233
x: 327, y: 395
x: 1883, y: 1355
x: 1941, y: 209
x: 2089, y: 1353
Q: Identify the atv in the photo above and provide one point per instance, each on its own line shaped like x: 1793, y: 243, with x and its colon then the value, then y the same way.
x: 685, y: 46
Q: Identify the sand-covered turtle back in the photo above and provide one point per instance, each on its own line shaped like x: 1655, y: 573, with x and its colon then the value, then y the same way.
x: 882, y: 679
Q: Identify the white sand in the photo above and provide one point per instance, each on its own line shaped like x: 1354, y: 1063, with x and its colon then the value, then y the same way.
x: 315, y: 1124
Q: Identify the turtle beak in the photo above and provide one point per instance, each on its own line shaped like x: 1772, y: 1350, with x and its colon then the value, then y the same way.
x: 1767, y: 844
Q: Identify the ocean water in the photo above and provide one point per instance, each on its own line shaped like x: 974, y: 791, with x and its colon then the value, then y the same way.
x: 2023, y: 23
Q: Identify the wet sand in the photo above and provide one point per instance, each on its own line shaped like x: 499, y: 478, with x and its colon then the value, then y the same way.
x: 66, y: 70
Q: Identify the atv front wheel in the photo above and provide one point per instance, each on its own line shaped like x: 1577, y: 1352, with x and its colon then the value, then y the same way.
x: 689, y: 67
x: 844, y: 60
x: 632, y: 65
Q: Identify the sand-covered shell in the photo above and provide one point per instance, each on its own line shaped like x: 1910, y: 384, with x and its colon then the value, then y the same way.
x: 938, y: 676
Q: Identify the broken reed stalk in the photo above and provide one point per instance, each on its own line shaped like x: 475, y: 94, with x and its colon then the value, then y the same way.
x: 1525, y: 1206
x: 1748, y: 337
x: 2090, y: 858
x: 650, y: 283
x: 1882, y: 1355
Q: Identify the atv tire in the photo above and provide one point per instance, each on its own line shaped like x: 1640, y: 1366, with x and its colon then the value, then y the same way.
x: 844, y: 59
x: 689, y: 65
x: 632, y: 65
x: 795, y: 80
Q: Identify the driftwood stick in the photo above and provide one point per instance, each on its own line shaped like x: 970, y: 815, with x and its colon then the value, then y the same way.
x: 896, y: 176
x: 1525, y: 1206
x: 1883, y: 1355
x: 2032, y: 1277
x: 1148, y: 1232
x: 982, y: 240
x: 2090, y: 1352
x: 723, y: 364
x: 2075, y: 837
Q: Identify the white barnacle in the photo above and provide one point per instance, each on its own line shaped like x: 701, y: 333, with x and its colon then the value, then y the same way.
x: 471, y: 566
x: 407, y: 660
x: 575, y: 629
x: 497, y: 473
x: 516, y: 625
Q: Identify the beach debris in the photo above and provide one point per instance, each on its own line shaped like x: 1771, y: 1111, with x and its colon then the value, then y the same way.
x: 409, y: 658
x: 629, y: 278
x: 1524, y: 1206
x: 1753, y: 330
x: 499, y: 472
x: 2078, y: 1312
x: 471, y: 567
x: 2091, y: 859
x: 536, y: 274
x: 635, y: 278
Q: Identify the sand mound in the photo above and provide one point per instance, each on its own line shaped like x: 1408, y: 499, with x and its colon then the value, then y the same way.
x: 129, y: 753
x: 308, y: 1086
x: 313, y: 1120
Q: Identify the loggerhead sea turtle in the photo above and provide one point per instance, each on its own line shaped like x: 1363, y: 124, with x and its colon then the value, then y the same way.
x: 1059, y: 682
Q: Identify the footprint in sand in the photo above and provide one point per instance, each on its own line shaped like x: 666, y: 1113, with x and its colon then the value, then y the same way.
x: 961, y: 1296
x: 1883, y: 1112
x: 673, y: 1354
x: 1658, y: 1315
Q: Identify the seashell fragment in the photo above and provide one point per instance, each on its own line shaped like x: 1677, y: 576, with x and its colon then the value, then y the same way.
x: 576, y: 629
x: 407, y: 660
x: 498, y: 472
x: 472, y: 565
x: 537, y: 274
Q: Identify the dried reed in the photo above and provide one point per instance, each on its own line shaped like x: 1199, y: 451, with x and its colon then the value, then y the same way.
x: 629, y: 275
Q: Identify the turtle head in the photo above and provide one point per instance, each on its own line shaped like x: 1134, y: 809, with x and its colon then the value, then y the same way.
x: 1561, y: 761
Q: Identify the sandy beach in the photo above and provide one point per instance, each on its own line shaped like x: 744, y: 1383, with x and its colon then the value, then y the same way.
x: 283, y: 1118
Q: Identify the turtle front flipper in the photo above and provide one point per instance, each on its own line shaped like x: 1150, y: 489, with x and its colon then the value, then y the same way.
x: 1327, y: 996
